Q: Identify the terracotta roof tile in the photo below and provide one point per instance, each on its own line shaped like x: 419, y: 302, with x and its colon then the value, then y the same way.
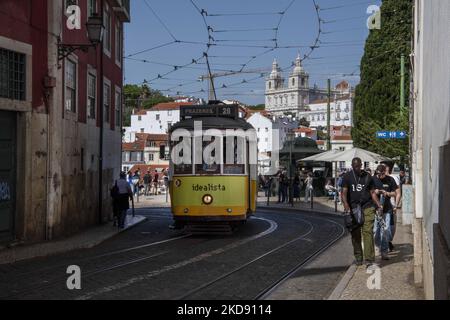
x: 342, y: 138
x: 138, y: 145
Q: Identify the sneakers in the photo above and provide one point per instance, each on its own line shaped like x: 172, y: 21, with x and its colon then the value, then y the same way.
x: 370, y: 265
x: 385, y: 257
x: 358, y: 262
x: 391, y: 247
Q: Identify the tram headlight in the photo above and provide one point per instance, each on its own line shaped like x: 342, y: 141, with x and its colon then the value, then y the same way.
x: 207, y: 199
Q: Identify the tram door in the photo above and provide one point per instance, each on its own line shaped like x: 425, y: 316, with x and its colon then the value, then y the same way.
x: 7, y: 174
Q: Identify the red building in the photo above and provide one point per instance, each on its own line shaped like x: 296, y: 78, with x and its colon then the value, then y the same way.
x: 60, y: 116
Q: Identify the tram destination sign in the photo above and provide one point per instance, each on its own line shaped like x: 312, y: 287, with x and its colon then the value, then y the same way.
x: 227, y: 111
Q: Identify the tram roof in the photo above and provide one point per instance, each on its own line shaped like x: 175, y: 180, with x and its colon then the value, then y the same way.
x: 213, y: 123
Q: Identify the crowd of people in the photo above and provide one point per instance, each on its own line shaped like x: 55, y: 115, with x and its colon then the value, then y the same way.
x: 151, y: 183
x: 280, y: 184
x: 371, y: 203
x: 370, y: 199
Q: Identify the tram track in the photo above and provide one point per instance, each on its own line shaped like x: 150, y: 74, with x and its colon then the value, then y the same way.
x: 108, y: 267
x: 274, y: 285
x: 131, y: 256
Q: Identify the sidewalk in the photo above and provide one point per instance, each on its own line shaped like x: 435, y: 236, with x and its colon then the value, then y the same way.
x: 397, y: 275
x: 84, y: 240
x: 158, y: 201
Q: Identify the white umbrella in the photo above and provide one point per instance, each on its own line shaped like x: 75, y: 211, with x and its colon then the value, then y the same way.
x: 364, y: 155
x: 328, y: 156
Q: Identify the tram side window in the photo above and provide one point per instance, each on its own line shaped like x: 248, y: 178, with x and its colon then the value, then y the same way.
x: 236, y: 165
x: 182, y: 168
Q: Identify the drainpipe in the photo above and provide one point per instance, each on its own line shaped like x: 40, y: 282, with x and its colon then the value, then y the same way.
x: 100, y: 116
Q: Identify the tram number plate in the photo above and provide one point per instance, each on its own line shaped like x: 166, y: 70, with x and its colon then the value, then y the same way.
x: 227, y: 111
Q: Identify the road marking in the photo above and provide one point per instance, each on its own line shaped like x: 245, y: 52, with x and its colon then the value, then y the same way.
x: 149, y: 275
x: 140, y: 247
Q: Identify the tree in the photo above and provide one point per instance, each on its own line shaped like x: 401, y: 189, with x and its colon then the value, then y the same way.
x: 304, y: 123
x: 258, y: 107
x: 140, y: 97
x: 377, y: 97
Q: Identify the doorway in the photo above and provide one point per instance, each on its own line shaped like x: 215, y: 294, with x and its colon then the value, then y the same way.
x: 8, y: 161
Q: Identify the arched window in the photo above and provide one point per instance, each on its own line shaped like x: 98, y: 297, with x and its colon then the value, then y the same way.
x: 270, y: 85
x: 293, y: 82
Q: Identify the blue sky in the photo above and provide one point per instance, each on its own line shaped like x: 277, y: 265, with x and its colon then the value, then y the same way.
x: 243, y: 34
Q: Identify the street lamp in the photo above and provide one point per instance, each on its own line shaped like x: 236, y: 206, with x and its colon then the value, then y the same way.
x: 290, y: 139
x: 95, y: 29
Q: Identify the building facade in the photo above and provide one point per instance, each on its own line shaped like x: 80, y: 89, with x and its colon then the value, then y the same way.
x: 148, y: 149
x: 291, y: 99
x: 296, y: 97
x: 62, y: 117
x: 431, y: 147
x: 341, y: 111
x: 156, y: 120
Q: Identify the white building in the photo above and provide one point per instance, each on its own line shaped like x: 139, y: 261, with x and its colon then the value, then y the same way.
x: 156, y: 120
x: 341, y: 111
x: 431, y: 147
x: 297, y: 95
x: 294, y: 97
x: 265, y: 126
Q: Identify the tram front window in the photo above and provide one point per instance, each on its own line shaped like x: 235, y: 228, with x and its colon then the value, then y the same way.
x: 182, y: 168
x: 234, y: 162
x: 212, y: 167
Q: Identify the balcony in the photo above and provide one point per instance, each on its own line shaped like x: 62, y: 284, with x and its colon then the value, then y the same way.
x: 122, y: 9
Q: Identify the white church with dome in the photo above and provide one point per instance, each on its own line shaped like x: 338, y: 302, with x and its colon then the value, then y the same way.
x: 297, y: 95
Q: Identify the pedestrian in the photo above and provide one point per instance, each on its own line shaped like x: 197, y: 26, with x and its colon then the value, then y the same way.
x: 297, y: 187
x: 385, y: 188
x: 358, y: 196
x: 395, y: 201
x: 281, y: 187
x: 156, y: 181
x: 135, y: 180
x: 330, y: 189
x: 340, y: 186
x: 147, y: 182
x: 121, y: 194
x: 309, y: 187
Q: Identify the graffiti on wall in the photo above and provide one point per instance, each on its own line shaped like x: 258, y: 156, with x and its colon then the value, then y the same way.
x: 5, y: 194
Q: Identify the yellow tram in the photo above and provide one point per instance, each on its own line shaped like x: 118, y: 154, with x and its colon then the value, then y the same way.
x: 213, y: 171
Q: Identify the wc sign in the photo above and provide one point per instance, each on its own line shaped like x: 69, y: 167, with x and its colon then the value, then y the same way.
x: 392, y: 135
x: 73, y: 13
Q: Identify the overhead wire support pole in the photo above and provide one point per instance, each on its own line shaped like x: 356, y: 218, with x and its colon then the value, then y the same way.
x: 329, y: 116
x: 212, y: 90
x: 402, y: 84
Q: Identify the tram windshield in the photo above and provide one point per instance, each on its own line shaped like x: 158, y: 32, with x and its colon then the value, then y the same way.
x: 231, y: 161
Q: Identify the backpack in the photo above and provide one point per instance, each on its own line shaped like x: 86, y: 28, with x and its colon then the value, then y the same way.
x: 114, y: 192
